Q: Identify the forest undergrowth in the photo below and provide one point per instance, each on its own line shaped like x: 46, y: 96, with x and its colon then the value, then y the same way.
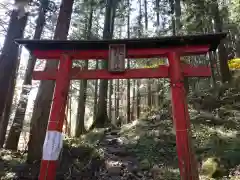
x: 146, y: 148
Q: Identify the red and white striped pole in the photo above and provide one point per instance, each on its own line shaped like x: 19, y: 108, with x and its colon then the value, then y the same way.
x: 54, y: 141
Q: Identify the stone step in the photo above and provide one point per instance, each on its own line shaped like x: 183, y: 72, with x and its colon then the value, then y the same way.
x: 114, y: 167
x: 113, y: 141
x: 118, y: 151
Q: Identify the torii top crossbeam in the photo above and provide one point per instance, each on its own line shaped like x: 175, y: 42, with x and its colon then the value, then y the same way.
x: 135, y: 48
x: 85, y: 49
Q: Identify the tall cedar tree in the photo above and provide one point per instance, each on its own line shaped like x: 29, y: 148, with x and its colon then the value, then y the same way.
x: 8, y: 64
x: 222, y: 51
x: 101, y: 117
x: 80, y: 128
x: 8, y: 106
x: 128, y: 65
x: 16, y: 128
x: 140, y: 30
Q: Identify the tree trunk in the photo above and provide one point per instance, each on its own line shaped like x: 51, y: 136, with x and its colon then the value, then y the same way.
x: 211, y: 59
x: 238, y: 47
x: 44, y: 97
x: 139, y: 81
x: 95, y: 96
x: 115, y: 102
x: 149, y: 91
x: 69, y: 115
x: 158, y: 14
x: 80, y: 127
x: 102, y: 117
x: 9, y: 57
x: 138, y: 99
x: 149, y: 88
x: 128, y: 97
x: 133, y: 100
x: 117, y: 98
x: 128, y: 66
x: 146, y: 14
x: 159, y: 95
x: 177, y: 9
x: 110, y: 100
x: 7, y: 111
x: 171, y: 2
x: 149, y: 95
x: 16, y: 128
x: 176, y: 31
x: 222, y: 52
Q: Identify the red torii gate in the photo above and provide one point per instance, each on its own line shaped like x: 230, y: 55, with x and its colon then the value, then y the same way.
x: 117, y: 51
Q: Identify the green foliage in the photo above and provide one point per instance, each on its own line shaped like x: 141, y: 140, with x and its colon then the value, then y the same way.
x: 91, y: 138
x: 210, y: 167
x: 8, y: 160
x: 88, y: 141
x: 196, y: 17
x: 234, y: 64
x: 153, y: 144
x: 217, y: 145
x: 234, y: 8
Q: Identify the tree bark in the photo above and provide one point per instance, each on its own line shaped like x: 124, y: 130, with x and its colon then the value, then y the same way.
x: 95, y: 96
x: 16, y: 128
x: 140, y: 29
x: 138, y: 101
x: 133, y: 100
x: 238, y: 47
x: 9, y: 57
x: 211, y: 59
x: 102, y: 117
x: 43, y: 100
x: 149, y: 90
x: 149, y: 87
x: 171, y: 2
x: 177, y: 9
x: 146, y: 14
x: 110, y: 100
x: 80, y: 127
x: 128, y: 66
x: 176, y: 31
x: 159, y: 95
x: 7, y: 111
x: 117, y: 98
x: 158, y: 14
x: 222, y: 51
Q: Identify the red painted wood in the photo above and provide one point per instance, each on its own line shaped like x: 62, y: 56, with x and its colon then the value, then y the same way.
x: 186, y: 159
x: 161, y: 72
x: 48, y: 170
x: 57, y: 114
x: 130, y: 53
x: 78, y: 73
x: 60, y: 95
x: 196, y: 71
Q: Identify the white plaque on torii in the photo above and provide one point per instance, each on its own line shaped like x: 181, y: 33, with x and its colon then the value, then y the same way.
x: 117, y: 54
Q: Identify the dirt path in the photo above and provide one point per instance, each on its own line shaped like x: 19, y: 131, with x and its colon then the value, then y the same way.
x: 119, y: 162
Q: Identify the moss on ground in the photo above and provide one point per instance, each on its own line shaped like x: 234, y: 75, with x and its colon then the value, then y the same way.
x: 154, y: 144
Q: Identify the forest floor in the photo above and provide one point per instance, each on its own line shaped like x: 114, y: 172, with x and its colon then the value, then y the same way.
x: 145, y: 149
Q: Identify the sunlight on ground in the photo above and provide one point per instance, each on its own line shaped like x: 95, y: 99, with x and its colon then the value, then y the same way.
x: 224, y: 132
